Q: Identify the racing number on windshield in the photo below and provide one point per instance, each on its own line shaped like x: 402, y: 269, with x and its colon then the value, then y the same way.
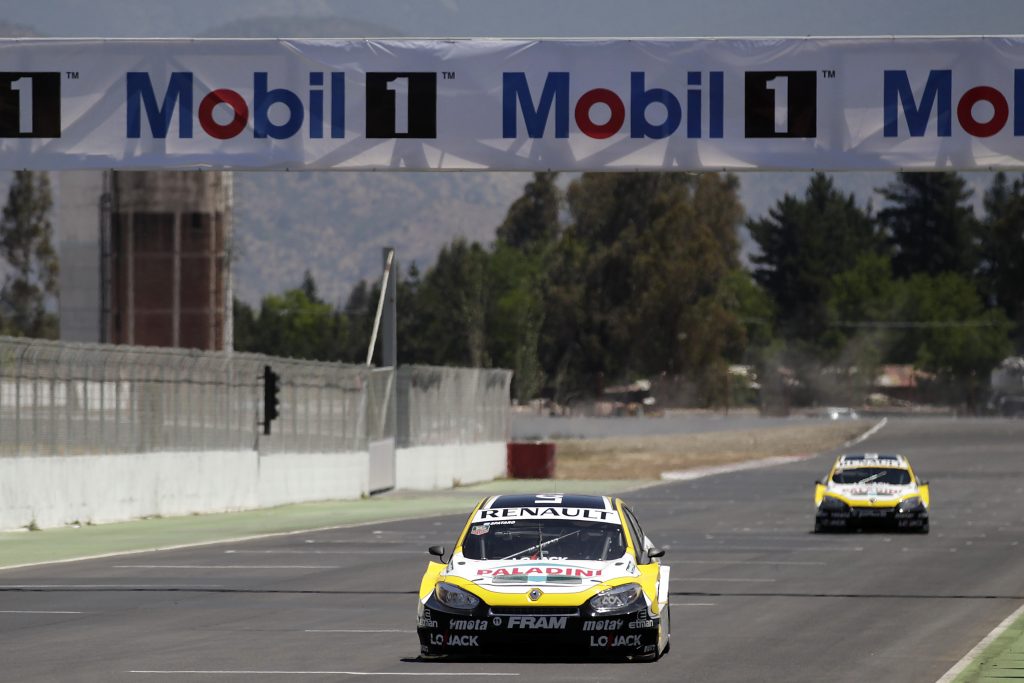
x: 548, y: 499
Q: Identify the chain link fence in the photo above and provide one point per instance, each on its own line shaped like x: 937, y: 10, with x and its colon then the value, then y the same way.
x: 441, y: 405
x: 68, y: 399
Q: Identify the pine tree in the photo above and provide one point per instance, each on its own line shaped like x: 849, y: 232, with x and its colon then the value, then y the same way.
x: 26, y: 298
x: 929, y: 225
x: 803, y: 244
x: 637, y: 283
x: 532, y: 221
x: 1001, y: 251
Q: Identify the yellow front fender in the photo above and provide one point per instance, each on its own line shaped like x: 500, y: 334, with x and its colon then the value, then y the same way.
x: 819, y: 494
x: 925, y: 495
x: 430, y: 579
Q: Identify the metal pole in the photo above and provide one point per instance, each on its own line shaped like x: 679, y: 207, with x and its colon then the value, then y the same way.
x: 389, y: 262
x: 106, y: 218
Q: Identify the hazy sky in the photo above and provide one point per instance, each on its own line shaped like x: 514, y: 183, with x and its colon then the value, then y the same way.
x: 535, y: 17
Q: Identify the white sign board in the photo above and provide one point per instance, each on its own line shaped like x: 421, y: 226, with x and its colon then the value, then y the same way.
x: 575, y: 105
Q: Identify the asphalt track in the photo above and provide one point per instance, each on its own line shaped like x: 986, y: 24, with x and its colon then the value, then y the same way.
x: 756, y: 596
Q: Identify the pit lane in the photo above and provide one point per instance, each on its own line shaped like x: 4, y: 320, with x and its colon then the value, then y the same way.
x: 755, y: 595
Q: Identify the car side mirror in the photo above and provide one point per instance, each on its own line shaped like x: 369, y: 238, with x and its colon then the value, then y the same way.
x: 817, y: 482
x: 922, y: 482
x: 656, y: 552
x: 436, y: 550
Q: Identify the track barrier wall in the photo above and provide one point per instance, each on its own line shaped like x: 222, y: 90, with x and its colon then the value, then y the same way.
x: 100, y: 433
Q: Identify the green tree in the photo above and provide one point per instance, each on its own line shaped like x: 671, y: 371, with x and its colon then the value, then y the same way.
x: 517, y: 276
x: 360, y: 309
x: 294, y: 324
x: 515, y: 315
x: 864, y: 300
x: 451, y: 307
x: 635, y: 284
x: 27, y: 295
x: 804, y: 243
x: 531, y: 223
x: 958, y: 339
x: 1001, y: 251
x: 929, y: 224
x: 243, y: 319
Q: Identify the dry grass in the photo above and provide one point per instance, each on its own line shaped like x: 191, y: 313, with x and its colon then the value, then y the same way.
x: 646, y: 457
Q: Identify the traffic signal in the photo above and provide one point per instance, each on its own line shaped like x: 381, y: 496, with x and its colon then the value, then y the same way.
x: 271, y: 388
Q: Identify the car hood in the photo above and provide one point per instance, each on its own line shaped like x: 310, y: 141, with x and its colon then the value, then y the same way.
x: 554, y: 575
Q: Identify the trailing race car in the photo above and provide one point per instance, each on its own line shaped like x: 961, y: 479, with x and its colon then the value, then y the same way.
x: 547, y: 574
x: 871, y: 488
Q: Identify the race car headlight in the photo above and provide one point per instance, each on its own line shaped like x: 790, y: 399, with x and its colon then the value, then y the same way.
x: 832, y: 503
x: 453, y: 596
x: 912, y: 503
x: 616, y: 598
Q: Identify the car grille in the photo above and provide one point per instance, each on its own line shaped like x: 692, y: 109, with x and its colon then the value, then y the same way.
x: 537, y: 611
x: 517, y: 579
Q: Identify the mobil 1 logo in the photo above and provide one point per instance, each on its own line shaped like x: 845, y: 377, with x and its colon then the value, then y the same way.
x: 781, y: 104
x: 30, y: 104
x: 401, y: 104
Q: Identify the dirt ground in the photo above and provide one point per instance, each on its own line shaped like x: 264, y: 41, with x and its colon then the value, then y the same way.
x: 646, y: 457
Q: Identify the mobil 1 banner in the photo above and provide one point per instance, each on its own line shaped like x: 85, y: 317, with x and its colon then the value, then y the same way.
x: 574, y: 105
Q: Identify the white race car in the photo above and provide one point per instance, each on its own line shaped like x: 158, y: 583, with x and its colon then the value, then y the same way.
x: 547, y: 574
x: 871, y: 488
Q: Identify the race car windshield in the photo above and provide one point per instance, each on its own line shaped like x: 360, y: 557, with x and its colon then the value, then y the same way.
x: 544, y: 539
x: 872, y: 475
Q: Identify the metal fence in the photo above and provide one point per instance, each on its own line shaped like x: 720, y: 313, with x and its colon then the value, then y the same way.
x: 441, y: 405
x: 66, y: 399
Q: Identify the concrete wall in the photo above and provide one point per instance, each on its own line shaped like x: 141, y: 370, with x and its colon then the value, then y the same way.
x: 54, y: 491
x: 298, y: 477
x: 51, y: 491
x: 441, y: 467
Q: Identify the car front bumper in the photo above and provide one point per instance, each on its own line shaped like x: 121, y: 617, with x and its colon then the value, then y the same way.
x: 535, y: 631
x: 865, y: 516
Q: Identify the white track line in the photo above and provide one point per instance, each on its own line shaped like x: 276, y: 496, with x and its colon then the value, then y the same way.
x: 222, y: 541
x: 701, y: 472
x: 692, y: 604
x: 321, y: 673
x: 768, y: 562
x: 226, y: 566
x: 969, y: 658
x: 359, y: 630
x: 871, y: 432
x: 418, y: 551
x: 108, y: 586
x: 745, y: 581
x: 35, y: 611
x: 278, y: 534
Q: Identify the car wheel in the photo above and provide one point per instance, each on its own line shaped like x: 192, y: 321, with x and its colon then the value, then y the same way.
x: 667, y: 621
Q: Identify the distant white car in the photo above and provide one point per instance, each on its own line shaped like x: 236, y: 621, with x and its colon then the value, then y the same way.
x: 871, y: 488
x: 841, y: 414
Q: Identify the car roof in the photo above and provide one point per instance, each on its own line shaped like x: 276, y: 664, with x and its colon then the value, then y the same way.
x: 851, y: 460
x: 531, y: 500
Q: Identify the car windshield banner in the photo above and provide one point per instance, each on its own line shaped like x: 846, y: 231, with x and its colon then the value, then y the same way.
x: 488, y: 104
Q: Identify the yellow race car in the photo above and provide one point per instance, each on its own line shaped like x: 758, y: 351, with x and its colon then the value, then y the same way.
x: 871, y: 489
x: 547, y: 574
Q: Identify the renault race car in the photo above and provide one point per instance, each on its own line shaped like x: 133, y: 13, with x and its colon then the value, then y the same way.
x: 871, y: 488
x: 547, y: 574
